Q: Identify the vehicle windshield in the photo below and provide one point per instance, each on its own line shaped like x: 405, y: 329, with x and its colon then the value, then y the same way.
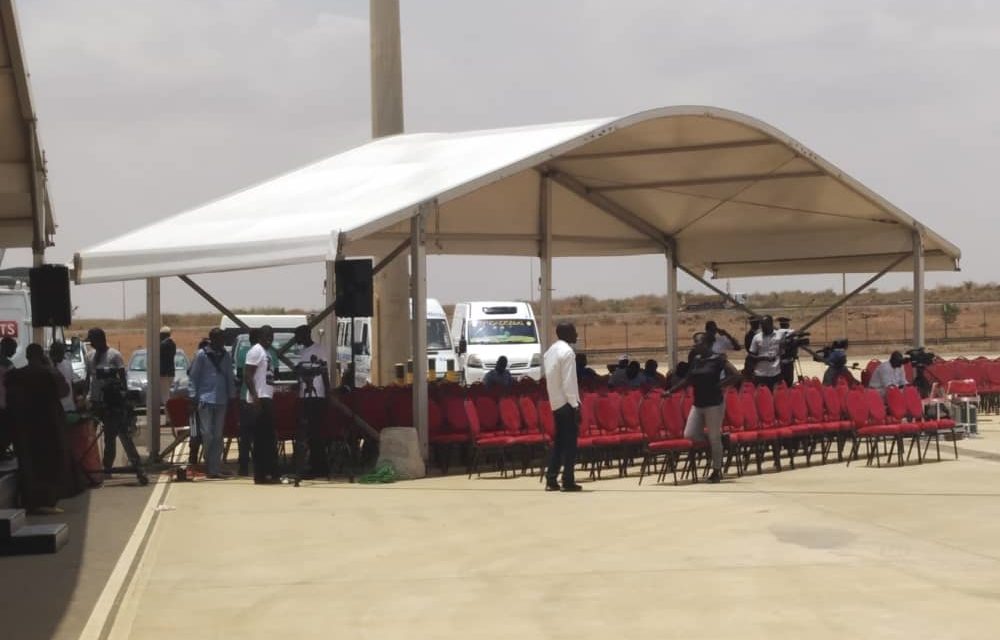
x: 138, y: 362
x: 502, y: 331
x: 437, y: 335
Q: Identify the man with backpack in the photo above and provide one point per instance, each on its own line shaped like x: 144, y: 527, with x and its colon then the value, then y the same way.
x: 212, y: 383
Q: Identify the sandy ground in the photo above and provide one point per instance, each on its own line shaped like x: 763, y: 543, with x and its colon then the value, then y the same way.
x: 824, y: 552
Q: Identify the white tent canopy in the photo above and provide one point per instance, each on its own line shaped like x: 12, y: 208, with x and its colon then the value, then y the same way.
x: 735, y: 196
x: 25, y: 211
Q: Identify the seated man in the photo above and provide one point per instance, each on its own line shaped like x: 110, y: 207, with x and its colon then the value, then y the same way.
x: 889, y: 374
x: 498, y: 376
x: 619, y: 377
x: 653, y: 377
x: 837, y: 370
x: 679, y: 373
x: 633, y: 375
x: 583, y: 372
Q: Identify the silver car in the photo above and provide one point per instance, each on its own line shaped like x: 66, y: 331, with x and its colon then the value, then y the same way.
x: 138, y: 380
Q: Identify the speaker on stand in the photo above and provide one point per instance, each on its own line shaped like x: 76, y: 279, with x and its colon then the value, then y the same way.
x: 50, y: 301
x: 355, y: 294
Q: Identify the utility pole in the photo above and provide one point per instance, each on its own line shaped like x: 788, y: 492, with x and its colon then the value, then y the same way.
x: 392, y: 284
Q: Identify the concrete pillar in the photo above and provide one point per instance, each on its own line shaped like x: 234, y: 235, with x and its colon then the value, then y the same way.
x: 153, y: 324
x: 391, y: 342
x: 672, y: 317
x: 418, y: 327
x: 330, y: 324
x: 545, y: 256
x: 918, y: 290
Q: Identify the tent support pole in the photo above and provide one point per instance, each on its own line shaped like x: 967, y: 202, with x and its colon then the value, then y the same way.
x: 609, y: 207
x: 545, y: 258
x: 392, y: 255
x: 153, y: 367
x: 418, y: 322
x: 38, y: 215
x: 671, y: 319
x: 839, y: 303
x: 919, y: 306
x: 330, y: 328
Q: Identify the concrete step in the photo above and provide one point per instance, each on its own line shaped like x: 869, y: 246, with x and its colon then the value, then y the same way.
x: 10, y: 521
x: 35, y: 539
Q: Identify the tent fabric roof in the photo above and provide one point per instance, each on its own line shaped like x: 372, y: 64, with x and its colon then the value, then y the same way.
x: 736, y: 196
x: 17, y: 143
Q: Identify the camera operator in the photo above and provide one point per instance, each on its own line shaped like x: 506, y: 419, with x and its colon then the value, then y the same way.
x: 721, y: 340
x: 837, y: 370
x: 765, y: 351
x: 109, y: 402
x: 889, y: 374
x: 789, y: 352
x: 314, y: 381
x: 212, y: 384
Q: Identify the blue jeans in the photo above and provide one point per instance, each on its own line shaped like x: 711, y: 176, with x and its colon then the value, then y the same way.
x: 212, y: 418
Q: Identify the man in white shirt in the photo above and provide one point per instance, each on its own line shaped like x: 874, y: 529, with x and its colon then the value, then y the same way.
x: 889, y: 374
x: 314, y: 381
x: 765, y: 354
x: 564, y: 397
x: 259, y: 377
x: 722, y: 341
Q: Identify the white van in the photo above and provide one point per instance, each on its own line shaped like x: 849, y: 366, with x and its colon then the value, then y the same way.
x: 15, y: 314
x: 439, y: 345
x: 484, y: 331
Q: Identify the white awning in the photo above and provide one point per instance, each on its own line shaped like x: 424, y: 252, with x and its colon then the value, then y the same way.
x: 22, y: 172
x: 737, y: 196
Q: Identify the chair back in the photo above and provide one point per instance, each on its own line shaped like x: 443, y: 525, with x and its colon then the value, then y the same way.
x: 896, y: 402
x: 800, y: 409
x: 529, y: 413
x: 673, y: 418
x: 857, y: 408
x: 765, y: 406
x: 650, y: 417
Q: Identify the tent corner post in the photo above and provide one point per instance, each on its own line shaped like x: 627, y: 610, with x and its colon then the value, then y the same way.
x: 671, y: 319
x: 153, y: 399
x: 919, y: 293
x: 418, y: 322
x: 545, y: 259
x: 330, y: 332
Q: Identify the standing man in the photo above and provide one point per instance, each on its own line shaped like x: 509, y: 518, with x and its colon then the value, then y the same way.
x: 106, y: 376
x: 259, y: 378
x: 168, y: 349
x: 57, y: 352
x: 751, y: 332
x: 246, y: 408
x: 212, y: 385
x: 314, y: 384
x: 765, y: 354
x: 788, y: 357
x: 564, y: 396
x: 721, y: 340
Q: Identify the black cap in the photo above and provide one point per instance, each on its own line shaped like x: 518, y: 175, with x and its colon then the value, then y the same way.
x: 783, y: 319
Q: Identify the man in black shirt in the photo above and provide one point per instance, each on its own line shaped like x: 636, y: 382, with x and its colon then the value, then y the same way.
x: 168, y: 349
x: 705, y: 419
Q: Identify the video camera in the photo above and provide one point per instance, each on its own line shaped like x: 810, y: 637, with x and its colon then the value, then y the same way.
x: 114, y: 389
x: 792, y: 341
x: 308, y: 370
x: 920, y: 357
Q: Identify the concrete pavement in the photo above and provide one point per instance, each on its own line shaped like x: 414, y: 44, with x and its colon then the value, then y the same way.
x: 824, y: 552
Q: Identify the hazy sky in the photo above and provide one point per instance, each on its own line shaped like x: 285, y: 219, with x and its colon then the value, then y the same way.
x: 150, y: 107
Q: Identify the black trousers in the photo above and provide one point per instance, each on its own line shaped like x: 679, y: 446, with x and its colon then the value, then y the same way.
x: 115, y: 429
x: 246, y: 435
x: 308, y: 445
x: 265, y: 442
x: 564, y: 446
x: 788, y: 373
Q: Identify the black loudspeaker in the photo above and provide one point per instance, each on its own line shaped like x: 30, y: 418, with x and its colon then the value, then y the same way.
x: 50, y: 305
x: 354, y: 289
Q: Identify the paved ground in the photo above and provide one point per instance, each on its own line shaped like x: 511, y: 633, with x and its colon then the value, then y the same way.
x: 826, y: 552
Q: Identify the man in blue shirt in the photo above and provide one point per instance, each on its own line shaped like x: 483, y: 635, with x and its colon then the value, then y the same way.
x: 212, y: 385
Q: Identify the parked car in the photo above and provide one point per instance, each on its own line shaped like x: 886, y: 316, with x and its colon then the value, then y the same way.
x: 138, y: 380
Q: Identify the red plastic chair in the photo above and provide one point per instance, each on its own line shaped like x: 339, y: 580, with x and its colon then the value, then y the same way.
x: 179, y: 409
x: 930, y: 428
x: 486, y: 443
x: 772, y: 432
x: 673, y: 445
